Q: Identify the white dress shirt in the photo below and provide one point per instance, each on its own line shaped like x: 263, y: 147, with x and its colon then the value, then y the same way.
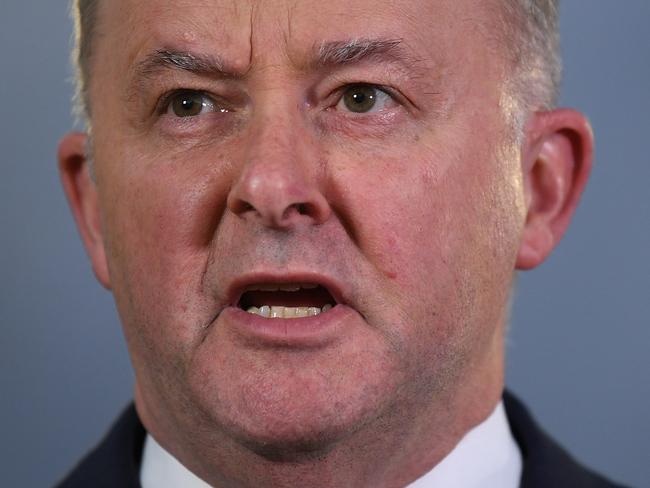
x: 487, y: 457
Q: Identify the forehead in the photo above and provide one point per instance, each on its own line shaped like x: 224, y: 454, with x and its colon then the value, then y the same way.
x: 252, y: 30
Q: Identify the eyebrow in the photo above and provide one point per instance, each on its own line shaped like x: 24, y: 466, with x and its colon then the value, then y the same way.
x: 336, y: 53
x: 325, y: 55
x: 201, y: 64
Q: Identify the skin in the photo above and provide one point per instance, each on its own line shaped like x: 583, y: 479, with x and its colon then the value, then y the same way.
x: 420, y: 212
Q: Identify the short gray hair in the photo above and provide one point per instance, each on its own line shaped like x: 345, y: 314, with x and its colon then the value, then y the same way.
x: 532, y: 35
x: 529, y: 28
x: 84, y: 14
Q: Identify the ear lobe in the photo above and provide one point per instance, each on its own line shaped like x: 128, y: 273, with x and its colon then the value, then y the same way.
x: 557, y: 159
x: 81, y: 192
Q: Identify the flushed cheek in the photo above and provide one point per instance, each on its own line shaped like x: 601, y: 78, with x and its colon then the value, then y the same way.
x: 159, y: 225
x: 393, y: 212
x: 398, y: 221
x: 424, y: 224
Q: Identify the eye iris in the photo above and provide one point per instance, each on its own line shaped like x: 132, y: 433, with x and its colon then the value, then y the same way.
x: 188, y: 104
x: 360, y: 98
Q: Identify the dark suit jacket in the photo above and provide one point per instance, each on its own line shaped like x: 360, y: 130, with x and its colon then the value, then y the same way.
x: 116, y: 461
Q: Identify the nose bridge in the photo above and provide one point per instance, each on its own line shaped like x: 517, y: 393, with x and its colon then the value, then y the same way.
x: 277, y: 136
x: 280, y: 182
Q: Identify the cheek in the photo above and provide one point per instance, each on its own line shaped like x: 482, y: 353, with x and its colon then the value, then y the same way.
x: 441, y: 227
x: 160, y: 219
x: 399, y: 207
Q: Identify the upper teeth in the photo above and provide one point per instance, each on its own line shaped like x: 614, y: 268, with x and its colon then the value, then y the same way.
x: 280, y: 312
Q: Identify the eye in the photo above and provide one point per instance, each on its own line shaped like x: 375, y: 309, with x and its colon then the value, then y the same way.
x: 363, y: 99
x: 190, y: 103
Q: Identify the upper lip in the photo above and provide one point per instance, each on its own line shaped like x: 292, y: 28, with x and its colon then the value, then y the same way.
x: 243, y: 283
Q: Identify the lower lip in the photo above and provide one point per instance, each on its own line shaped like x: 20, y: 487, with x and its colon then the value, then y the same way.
x: 315, y: 331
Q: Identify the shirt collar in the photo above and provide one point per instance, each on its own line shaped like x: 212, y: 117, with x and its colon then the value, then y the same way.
x: 486, y: 456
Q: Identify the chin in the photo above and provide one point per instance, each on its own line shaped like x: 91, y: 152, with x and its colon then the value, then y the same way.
x: 308, y: 443
x: 287, y: 404
x: 293, y: 420
x: 292, y: 430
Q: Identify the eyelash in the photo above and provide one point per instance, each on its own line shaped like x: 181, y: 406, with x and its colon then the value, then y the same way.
x: 383, y: 90
x: 165, y: 103
x: 218, y: 113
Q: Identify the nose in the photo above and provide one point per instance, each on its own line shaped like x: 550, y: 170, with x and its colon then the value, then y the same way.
x: 280, y: 185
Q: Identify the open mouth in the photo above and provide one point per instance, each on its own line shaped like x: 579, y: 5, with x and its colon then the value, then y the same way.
x: 286, y: 300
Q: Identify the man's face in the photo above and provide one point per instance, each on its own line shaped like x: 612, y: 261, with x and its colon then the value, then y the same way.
x: 361, y: 147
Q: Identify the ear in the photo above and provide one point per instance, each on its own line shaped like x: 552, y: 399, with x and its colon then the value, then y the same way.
x: 556, y: 160
x: 81, y: 192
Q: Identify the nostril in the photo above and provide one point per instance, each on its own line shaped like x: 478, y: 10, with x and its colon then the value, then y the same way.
x: 304, y: 209
x: 241, y: 206
x: 278, y: 207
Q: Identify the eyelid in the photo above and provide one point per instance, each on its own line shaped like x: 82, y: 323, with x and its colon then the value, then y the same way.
x: 164, y: 103
x: 395, y: 95
x: 380, y: 88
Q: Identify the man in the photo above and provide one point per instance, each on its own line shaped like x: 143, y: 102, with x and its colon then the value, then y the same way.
x: 310, y: 215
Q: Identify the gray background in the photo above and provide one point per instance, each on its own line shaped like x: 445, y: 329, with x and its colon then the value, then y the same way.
x: 578, y: 352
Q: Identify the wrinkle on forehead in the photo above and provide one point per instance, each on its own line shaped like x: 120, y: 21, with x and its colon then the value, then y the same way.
x: 192, y: 24
x: 233, y: 21
x: 311, y: 34
x: 252, y: 29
